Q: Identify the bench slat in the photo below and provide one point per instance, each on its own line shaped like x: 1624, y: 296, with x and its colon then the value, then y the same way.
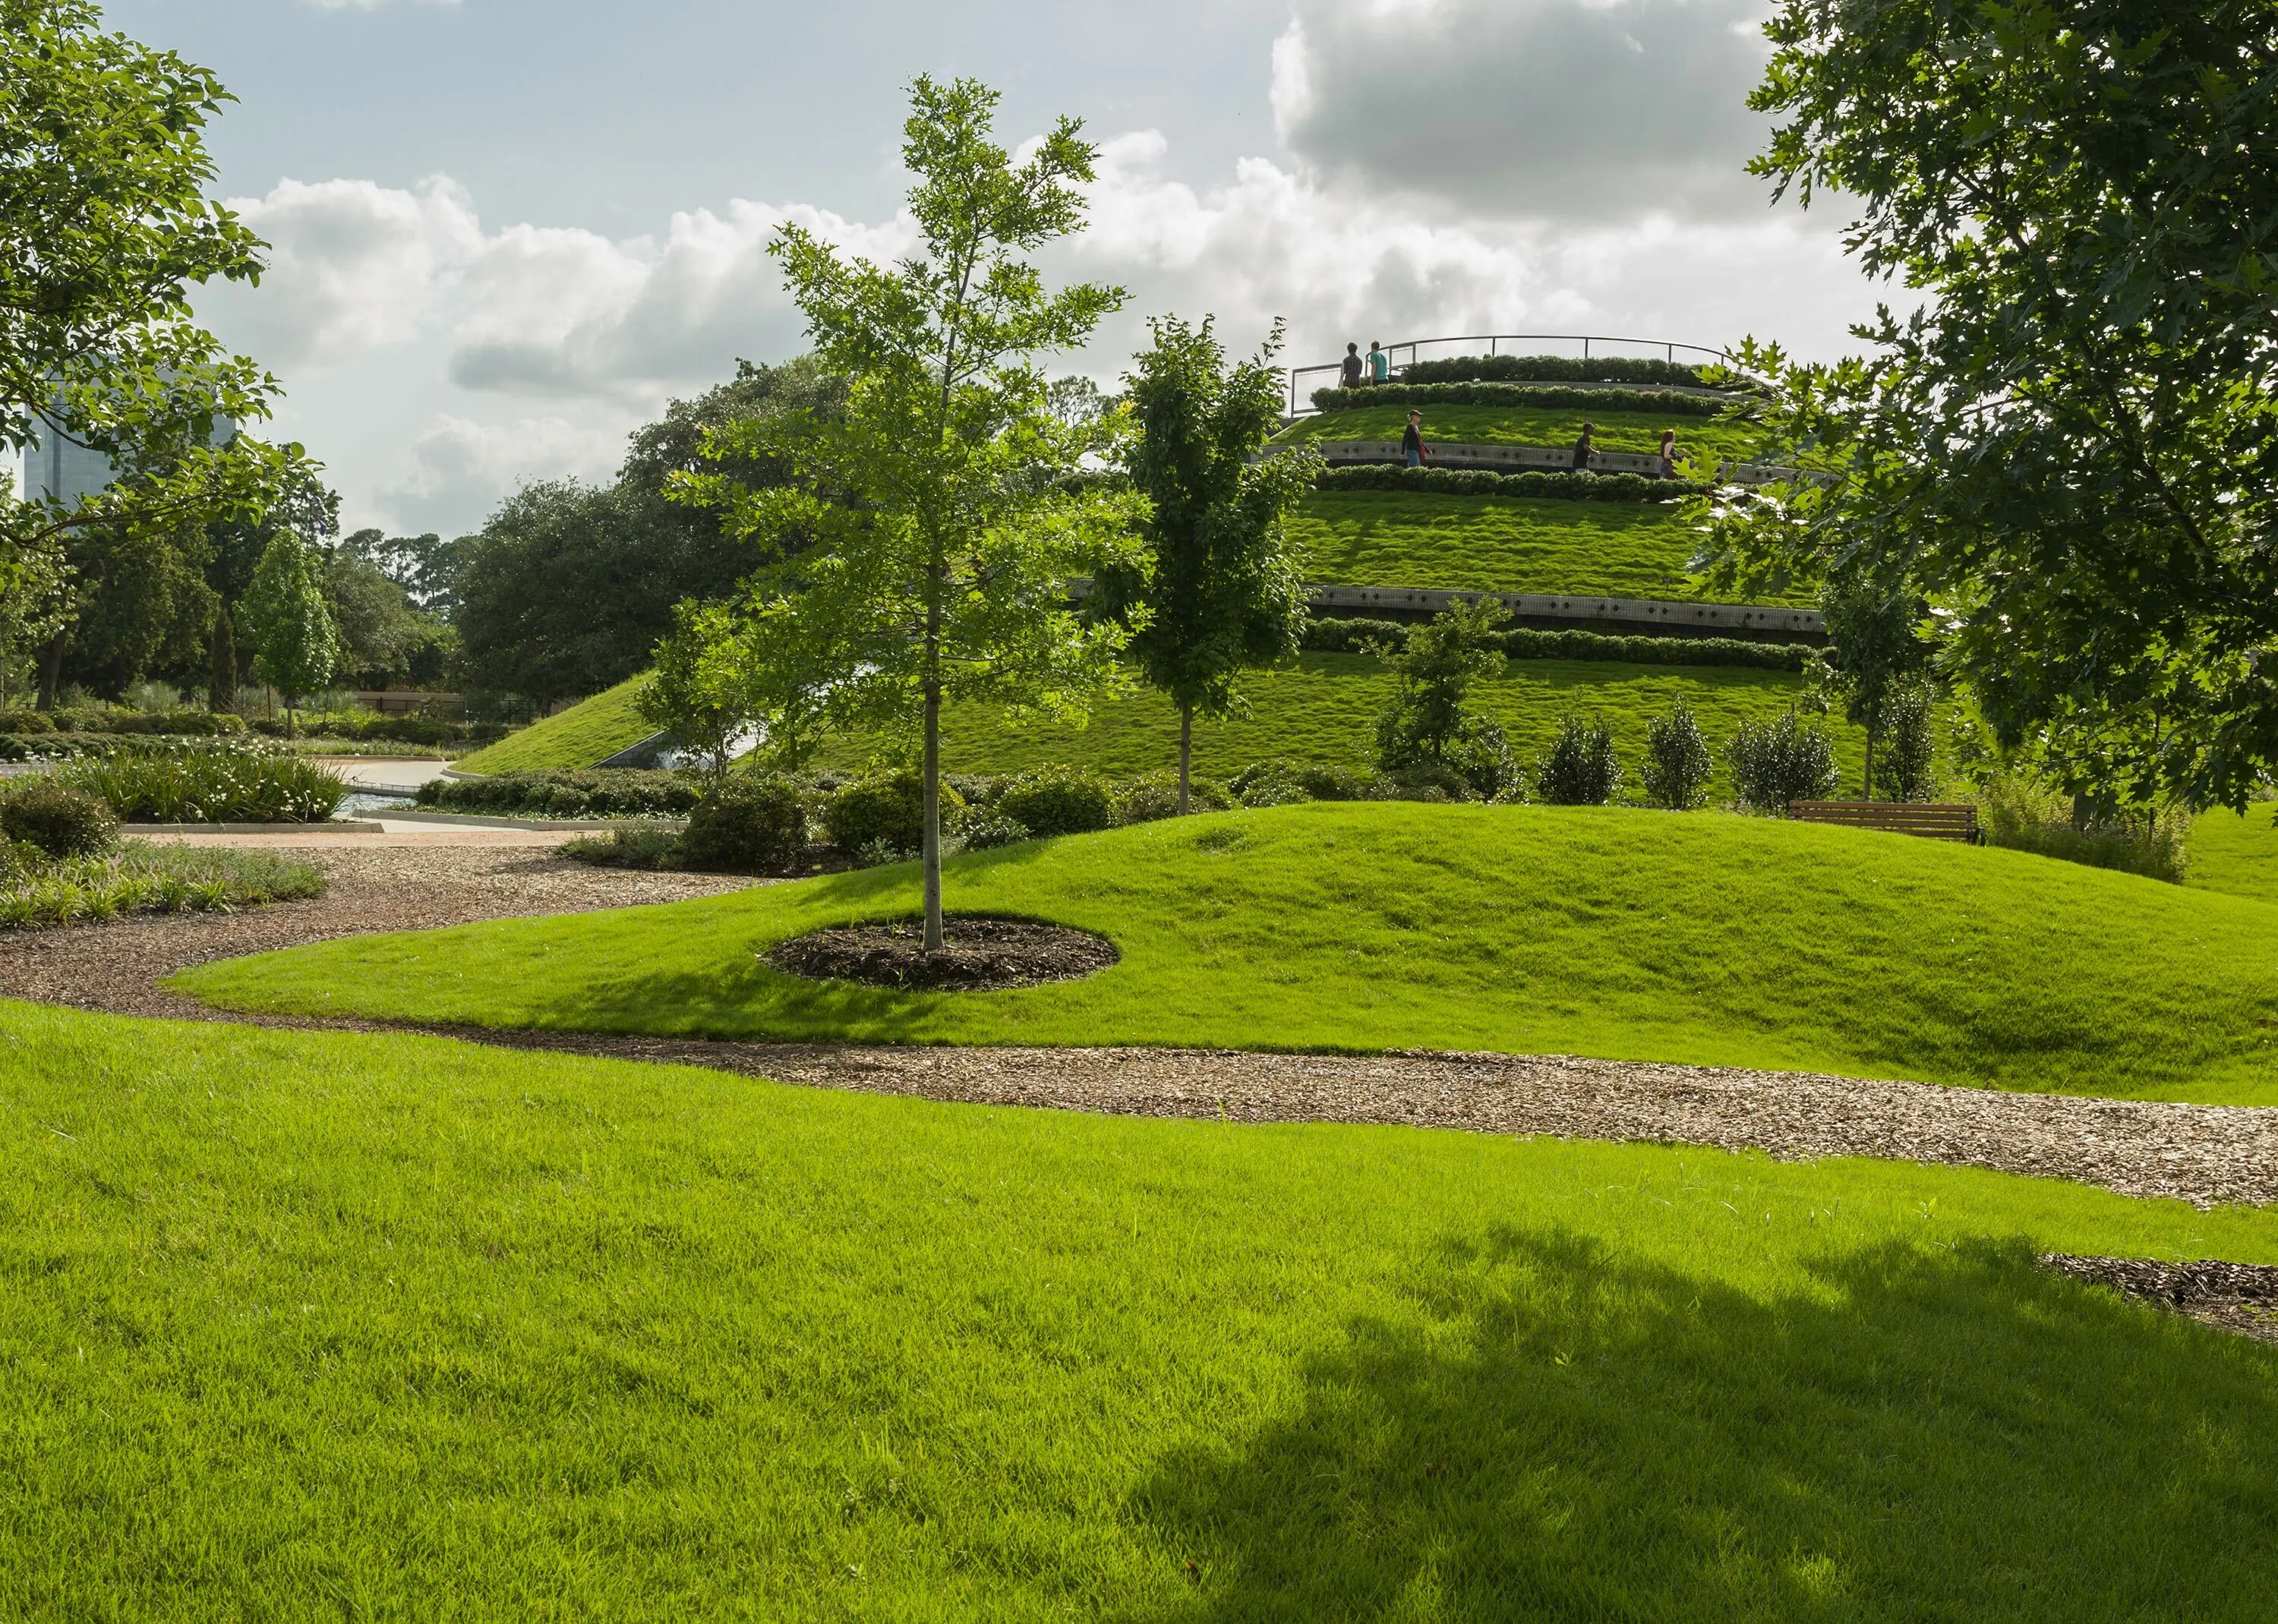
x: 1932, y: 821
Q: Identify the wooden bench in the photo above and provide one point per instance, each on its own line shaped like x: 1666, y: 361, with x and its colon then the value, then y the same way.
x: 1934, y: 820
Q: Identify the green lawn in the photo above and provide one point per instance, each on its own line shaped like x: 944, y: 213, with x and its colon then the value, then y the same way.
x: 1700, y: 937
x: 1495, y: 544
x: 1505, y: 425
x: 302, y: 1326
x: 2235, y: 854
x: 1323, y: 708
x: 589, y: 731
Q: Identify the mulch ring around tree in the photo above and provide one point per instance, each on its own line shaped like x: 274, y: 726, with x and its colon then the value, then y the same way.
x: 977, y: 955
x: 2238, y: 1296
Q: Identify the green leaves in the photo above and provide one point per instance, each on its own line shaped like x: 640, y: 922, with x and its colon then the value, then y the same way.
x: 2071, y: 450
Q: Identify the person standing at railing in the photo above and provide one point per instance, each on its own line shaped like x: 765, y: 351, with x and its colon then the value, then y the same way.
x: 1349, y: 375
x: 1582, y: 449
x: 1668, y: 453
x: 1380, y: 363
x: 1413, y: 448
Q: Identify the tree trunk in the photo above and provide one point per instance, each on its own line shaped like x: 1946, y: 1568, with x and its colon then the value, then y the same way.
x: 1867, y: 791
x: 52, y: 670
x: 1186, y: 753
x: 222, y: 676
x: 932, y: 792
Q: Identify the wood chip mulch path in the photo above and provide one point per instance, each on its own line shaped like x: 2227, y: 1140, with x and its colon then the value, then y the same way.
x: 2240, y: 1296
x: 2204, y: 1154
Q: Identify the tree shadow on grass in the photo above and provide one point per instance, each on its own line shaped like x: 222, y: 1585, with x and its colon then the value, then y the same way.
x: 1549, y: 1432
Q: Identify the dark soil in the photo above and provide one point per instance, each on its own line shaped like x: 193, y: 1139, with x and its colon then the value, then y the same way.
x: 2240, y: 1296
x: 977, y: 955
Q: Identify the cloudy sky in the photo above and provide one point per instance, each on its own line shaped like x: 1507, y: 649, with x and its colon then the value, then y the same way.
x: 504, y: 232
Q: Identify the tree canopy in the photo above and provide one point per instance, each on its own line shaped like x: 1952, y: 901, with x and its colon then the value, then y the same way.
x: 2069, y: 450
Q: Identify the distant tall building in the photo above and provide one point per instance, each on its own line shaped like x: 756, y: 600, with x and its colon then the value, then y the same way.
x: 63, y: 470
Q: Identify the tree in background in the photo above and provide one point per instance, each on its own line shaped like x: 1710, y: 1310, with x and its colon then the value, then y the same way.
x: 1426, y: 733
x: 2071, y: 447
x: 1218, y: 593
x: 104, y: 227
x: 223, y: 670
x: 569, y: 586
x: 701, y: 690
x: 938, y: 514
x: 295, y: 643
x: 32, y: 609
x: 1875, y: 654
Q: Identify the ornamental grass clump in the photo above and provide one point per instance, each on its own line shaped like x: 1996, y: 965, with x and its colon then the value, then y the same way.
x: 208, y: 782
x: 39, y: 891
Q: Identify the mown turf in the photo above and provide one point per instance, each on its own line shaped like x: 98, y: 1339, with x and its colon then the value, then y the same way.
x: 1700, y: 937
x: 589, y: 731
x: 306, y: 1326
x: 2235, y: 854
x: 1323, y: 708
x: 1503, y: 425
x: 1495, y: 543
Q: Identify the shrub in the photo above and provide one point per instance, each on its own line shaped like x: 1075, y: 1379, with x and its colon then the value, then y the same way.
x: 209, y: 781
x: 987, y: 828
x: 657, y: 849
x: 26, y: 722
x: 366, y: 725
x: 59, y: 820
x: 13, y: 748
x: 888, y: 810
x: 185, y: 724
x: 1660, y: 402
x: 1567, y: 484
x: 1357, y: 634
x: 1776, y: 764
x: 1480, y: 755
x: 1550, y: 368
x: 753, y: 823
x: 2024, y: 816
x: 586, y: 792
x: 1904, y: 765
x: 1156, y: 795
x: 1059, y: 801
x: 1581, y: 768
x: 1360, y: 635
x: 1424, y: 722
x: 1282, y: 783
x: 1677, y: 761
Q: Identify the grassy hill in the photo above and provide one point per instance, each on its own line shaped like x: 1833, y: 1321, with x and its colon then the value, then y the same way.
x: 1627, y: 935
x: 1323, y: 708
x: 590, y: 731
x: 1495, y: 544
x: 309, y: 1325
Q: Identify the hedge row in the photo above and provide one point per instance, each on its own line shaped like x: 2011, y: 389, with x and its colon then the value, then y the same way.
x: 1562, y: 483
x: 1356, y: 635
x: 1549, y: 368
x: 585, y: 792
x: 1661, y: 402
x: 190, y: 724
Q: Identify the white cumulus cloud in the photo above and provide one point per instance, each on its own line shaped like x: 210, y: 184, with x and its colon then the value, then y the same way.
x: 457, y: 468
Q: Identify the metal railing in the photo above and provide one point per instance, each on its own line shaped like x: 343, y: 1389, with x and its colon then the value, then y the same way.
x: 1495, y: 342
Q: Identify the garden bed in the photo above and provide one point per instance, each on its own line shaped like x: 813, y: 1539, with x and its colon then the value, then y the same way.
x: 977, y: 955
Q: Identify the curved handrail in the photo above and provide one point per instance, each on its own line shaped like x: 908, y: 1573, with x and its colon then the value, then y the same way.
x: 1492, y: 339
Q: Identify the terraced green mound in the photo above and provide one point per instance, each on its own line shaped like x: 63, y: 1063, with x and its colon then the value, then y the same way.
x: 1323, y: 708
x: 303, y: 1325
x: 1503, y: 425
x: 2235, y: 854
x: 1627, y: 935
x: 1495, y: 545
x: 590, y: 731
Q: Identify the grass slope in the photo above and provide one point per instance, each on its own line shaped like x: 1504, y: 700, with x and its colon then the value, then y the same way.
x: 589, y: 731
x: 1495, y: 543
x: 1503, y: 425
x: 1630, y: 935
x: 1323, y: 708
x: 2236, y: 855
x: 302, y: 1326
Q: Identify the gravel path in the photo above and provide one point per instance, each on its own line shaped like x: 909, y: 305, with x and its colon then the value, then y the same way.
x: 2204, y: 1154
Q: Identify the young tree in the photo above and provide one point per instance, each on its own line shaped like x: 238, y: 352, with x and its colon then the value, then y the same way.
x: 2067, y: 448
x: 939, y: 516
x: 289, y: 623
x: 221, y: 653
x: 1676, y: 766
x: 1425, y: 729
x: 104, y: 226
x: 1876, y: 654
x: 699, y: 693
x: 1218, y: 592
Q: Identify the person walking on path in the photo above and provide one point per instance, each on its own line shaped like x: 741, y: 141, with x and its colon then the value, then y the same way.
x: 1582, y: 449
x: 1411, y: 444
x: 1350, y: 375
x: 1380, y: 363
x: 1668, y: 453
